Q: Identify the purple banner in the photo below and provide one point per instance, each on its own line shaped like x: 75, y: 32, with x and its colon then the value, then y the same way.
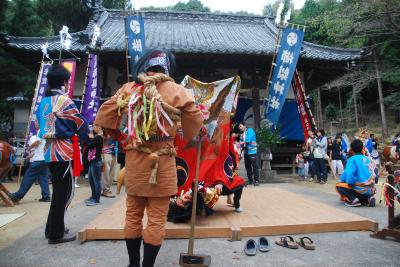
x: 39, y: 95
x: 91, y: 96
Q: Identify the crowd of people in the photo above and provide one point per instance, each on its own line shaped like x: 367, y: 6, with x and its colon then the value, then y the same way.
x: 355, y: 166
x: 151, y: 177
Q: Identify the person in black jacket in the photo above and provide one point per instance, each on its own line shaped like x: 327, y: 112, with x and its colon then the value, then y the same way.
x: 94, y: 147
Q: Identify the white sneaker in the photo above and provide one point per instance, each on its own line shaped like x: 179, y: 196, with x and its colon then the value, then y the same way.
x: 354, y: 203
x: 238, y: 210
x: 77, y: 185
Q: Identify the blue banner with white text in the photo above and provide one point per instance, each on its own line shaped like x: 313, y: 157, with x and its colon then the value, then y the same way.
x: 134, y: 30
x: 286, y: 61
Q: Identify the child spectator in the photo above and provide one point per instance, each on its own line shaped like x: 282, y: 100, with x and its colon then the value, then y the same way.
x: 336, y: 156
x: 300, y: 166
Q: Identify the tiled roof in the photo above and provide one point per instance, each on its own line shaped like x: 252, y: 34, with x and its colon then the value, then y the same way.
x: 188, y: 32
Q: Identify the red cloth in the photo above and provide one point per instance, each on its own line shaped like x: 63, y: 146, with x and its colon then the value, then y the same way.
x: 216, y: 166
x: 77, y: 161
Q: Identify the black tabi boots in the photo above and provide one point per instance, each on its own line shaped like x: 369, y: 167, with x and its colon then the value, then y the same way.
x: 133, y: 246
x: 150, y: 254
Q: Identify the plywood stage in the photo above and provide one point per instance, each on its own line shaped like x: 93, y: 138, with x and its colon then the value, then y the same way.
x: 267, y: 211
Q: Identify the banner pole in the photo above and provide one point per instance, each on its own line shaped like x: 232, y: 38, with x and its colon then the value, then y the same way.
x: 84, y: 85
x: 278, y: 37
x: 127, y: 57
x: 30, y: 113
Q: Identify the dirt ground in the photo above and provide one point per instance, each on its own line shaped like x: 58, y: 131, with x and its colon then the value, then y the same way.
x: 35, y: 211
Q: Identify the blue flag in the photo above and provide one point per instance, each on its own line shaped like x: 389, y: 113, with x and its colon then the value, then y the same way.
x: 286, y: 62
x: 134, y: 30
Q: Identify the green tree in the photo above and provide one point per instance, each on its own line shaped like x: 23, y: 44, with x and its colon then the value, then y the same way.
x: 3, y: 13
x: 117, y: 4
x: 57, y: 13
x: 331, y: 112
x: 191, y: 5
x: 24, y: 20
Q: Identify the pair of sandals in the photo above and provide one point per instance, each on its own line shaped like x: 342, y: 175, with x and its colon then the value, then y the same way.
x: 251, y: 247
x: 289, y: 242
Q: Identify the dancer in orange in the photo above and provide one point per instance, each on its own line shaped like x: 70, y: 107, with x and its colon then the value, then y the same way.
x: 154, y: 105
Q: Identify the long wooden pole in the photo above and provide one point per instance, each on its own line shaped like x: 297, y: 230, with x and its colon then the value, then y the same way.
x: 84, y: 85
x: 194, y: 199
x: 31, y: 111
x: 278, y: 37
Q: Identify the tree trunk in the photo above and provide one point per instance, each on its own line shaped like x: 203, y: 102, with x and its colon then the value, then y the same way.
x: 355, y: 108
x: 340, y: 109
x: 320, y: 118
x: 361, y: 112
x: 381, y: 104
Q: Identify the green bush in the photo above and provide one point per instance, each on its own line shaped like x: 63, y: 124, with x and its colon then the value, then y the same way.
x: 331, y: 112
x: 268, y: 138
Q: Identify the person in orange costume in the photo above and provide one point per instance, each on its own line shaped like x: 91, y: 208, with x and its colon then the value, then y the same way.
x: 150, y: 177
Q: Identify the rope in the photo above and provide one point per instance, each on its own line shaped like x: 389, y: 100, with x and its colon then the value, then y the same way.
x: 154, y: 157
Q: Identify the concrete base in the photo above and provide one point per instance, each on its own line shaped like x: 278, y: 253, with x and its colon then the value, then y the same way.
x: 270, y: 176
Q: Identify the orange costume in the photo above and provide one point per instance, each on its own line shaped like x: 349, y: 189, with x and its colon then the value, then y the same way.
x: 151, y: 177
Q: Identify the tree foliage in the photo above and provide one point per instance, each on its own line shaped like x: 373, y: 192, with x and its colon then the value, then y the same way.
x: 117, y: 4
x: 191, y: 5
x: 373, y: 25
x: 57, y: 13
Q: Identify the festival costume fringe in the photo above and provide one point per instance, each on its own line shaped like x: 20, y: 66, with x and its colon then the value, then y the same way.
x: 147, y: 113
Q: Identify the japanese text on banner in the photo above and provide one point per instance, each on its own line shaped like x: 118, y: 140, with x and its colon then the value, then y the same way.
x: 134, y: 30
x: 90, y: 103
x: 41, y: 87
x: 286, y: 62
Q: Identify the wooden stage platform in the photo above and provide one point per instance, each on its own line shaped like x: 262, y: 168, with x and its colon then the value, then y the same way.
x: 267, y: 211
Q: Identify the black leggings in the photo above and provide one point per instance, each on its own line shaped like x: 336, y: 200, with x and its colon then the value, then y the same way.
x: 63, y: 192
x: 237, y: 194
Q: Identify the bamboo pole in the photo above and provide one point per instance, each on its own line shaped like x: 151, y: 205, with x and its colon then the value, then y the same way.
x: 278, y: 37
x: 31, y: 111
x: 84, y: 85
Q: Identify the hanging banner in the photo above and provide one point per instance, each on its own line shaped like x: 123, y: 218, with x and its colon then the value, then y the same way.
x: 286, y: 61
x: 216, y: 100
x: 70, y: 65
x: 40, y: 89
x: 134, y: 31
x: 304, y: 109
x: 91, y: 96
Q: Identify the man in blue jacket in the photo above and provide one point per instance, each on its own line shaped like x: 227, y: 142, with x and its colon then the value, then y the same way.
x: 356, y: 186
x: 249, y: 146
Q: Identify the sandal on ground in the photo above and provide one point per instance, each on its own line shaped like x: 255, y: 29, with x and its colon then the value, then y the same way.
x: 287, y: 242
x: 306, y: 243
x: 263, y: 244
x: 250, y: 249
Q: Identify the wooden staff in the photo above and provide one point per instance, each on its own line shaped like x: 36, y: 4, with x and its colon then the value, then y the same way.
x: 84, y: 85
x: 31, y: 111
